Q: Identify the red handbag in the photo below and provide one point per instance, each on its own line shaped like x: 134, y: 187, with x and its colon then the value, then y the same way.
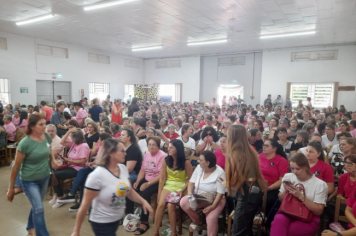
x: 295, y: 208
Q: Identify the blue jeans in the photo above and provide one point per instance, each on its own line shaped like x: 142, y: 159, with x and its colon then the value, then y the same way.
x: 35, y: 192
x: 17, y: 180
x: 132, y: 177
x: 105, y: 229
x: 79, y: 181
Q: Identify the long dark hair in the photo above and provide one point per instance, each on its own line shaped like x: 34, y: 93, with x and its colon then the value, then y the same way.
x: 178, y: 144
x: 279, y: 148
x: 321, y: 127
x: 213, y: 132
x: 131, y: 134
x: 23, y: 116
x: 318, y: 148
x: 241, y: 119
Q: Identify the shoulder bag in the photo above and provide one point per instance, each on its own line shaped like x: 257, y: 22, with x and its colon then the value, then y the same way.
x: 295, y: 208
x: 206, y: 198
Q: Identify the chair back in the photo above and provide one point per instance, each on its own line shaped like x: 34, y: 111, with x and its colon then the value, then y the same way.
x: 337, y: 217
x: 20, y: 134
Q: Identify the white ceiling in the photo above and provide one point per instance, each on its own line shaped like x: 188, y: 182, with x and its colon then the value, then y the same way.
x: 174, y: 22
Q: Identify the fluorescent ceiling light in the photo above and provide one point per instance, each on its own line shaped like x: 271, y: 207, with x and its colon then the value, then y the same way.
x: 106, y: 4
x: 286, y: 35
x: 207, y: 42
x: 34, y: 19
x: 146, y: 48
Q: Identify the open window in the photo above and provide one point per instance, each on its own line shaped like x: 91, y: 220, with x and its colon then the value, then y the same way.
x: 4, y: 91
x: 98, y: 90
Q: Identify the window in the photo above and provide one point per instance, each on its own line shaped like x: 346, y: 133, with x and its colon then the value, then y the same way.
x: 322, y: 95
x: 98, y: 90
x: 132, y: 63
x: 129, y: 90
x: 4, y: 91
x: 3, y: 44
x: 98, y: 58
x: 52, y: 51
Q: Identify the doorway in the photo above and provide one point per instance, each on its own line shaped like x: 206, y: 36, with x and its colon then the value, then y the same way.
x: 229, y: 90
x: 48, y: 90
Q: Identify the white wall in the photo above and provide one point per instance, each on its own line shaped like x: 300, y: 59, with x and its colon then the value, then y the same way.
x: 277, y: 70
x: 213, y: 75
x: 188, y: 75
x: 18, y: 64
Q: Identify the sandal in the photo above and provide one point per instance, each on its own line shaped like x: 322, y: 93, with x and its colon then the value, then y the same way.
x: 142, y: 231
x: 193, y: 226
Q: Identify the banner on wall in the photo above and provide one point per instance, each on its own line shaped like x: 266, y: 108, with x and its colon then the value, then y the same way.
x: 166, y: 98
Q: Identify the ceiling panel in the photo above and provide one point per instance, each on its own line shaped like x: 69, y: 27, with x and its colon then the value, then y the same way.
x: 174, y: 22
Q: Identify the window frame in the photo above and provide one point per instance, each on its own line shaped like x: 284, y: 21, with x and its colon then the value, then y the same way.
x: 96, y: 94
x: 5, y: 90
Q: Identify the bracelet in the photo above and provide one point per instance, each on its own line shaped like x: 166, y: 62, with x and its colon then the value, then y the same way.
x: 338, y: 234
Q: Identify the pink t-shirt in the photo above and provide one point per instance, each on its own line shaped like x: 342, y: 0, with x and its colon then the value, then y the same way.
x: 10, y: 129
x: 353, y: 133
x: 202, y: 124
x: 23, y: 124
x: 273, y: 168
x: 350, y: 202
x: 148, y: 112
x: 213, y: 104
x: 117, y: 135
x: 323, y: 171
x: 153, y: 164
x: 81, y: 115
x: 345, y: 186
x: 48, y: 111
x: 220, y: 159
x: 16, y: 121
x: 78, y: 152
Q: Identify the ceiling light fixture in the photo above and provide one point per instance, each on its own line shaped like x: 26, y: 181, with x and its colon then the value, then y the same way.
x: 207, y: 42
x: 286, y: 35
x: 107, y: 4
x: 34, y: 19
x: 146, y: 48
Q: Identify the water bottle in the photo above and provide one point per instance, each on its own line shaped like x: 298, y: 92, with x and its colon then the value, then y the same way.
x: 193, y: 202
x: 138, y: 211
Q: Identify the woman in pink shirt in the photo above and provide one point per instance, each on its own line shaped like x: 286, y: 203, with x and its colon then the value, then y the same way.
x: 273, y: 165
x: 10, y: 128
x: 115, y: 130
x: 148, y: 177
x: 23, y: 121
x: 221, y: 153
x: 16, y: 118
x: 81, y: 113
x: 77, y: 156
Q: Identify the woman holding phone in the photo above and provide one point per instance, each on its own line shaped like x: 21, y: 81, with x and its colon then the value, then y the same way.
x: 314, y: 198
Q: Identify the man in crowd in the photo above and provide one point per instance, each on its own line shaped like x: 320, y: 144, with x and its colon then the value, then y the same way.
x: 268, y: 100
x: 278, y: 102
x: 95, y: 111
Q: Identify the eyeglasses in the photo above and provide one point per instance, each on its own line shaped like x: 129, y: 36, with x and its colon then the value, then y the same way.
x: 210, y: 134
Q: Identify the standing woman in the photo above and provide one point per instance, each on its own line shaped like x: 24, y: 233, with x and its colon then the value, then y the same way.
x: 32, y: 160
x: 116, y: 112
x: 242, y: 173
x: 106, y: 190
x: 175, y: 174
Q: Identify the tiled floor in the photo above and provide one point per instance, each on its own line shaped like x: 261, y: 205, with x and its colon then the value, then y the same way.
x: 60, y: 222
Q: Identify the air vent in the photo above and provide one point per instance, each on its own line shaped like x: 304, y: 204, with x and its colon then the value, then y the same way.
x: 168, y: 64
x: 92, y: 57
x: 3, y: 44
x: 315, y: 55
x: 232, y: 61
x: 52, y: 51
x: 132, y: 63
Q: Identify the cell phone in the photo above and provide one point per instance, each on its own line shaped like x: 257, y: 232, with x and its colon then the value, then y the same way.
x: 287, y: 182
x: 60, y: 156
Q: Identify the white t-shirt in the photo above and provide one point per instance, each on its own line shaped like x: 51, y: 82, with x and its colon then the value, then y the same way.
x: 212, y: 184
x: 335, y: 149
x: 328, y: 144
x: 179, y: 132
x: 316, y: 190
x: 109, y: 206
x: 201, y: 141
x: 143, y: 146
x: 189, y: 144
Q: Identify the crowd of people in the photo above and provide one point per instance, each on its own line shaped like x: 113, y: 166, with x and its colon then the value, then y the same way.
x: 125, y: 152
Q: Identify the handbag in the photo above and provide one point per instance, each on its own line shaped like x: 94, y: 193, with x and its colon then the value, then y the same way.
x: 207, y: 198
x: 295, y: 208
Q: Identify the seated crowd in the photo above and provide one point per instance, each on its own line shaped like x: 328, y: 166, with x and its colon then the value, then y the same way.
x: 148, y: 147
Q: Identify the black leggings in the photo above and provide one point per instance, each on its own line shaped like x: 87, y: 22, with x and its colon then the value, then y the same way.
x: 146, y: 194
x: 272, y: 197
x: 63, y: 174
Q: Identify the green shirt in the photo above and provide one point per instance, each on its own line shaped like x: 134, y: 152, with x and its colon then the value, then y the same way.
x: 35, y: 165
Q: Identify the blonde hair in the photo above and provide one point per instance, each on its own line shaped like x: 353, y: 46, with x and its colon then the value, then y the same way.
x: 242, y: 161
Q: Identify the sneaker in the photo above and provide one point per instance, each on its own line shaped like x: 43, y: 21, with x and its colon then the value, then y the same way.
x: 57, y: 205
x: 74, y: 208
x: 66, y: 199
x: 53, y: 200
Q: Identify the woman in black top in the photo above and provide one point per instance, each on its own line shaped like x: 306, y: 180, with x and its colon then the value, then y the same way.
x: 92, y: 136
x: 139, y: 125
x: 133, y: 107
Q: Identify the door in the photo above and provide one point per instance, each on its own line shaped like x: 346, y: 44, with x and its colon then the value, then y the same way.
x: 49, y: 90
